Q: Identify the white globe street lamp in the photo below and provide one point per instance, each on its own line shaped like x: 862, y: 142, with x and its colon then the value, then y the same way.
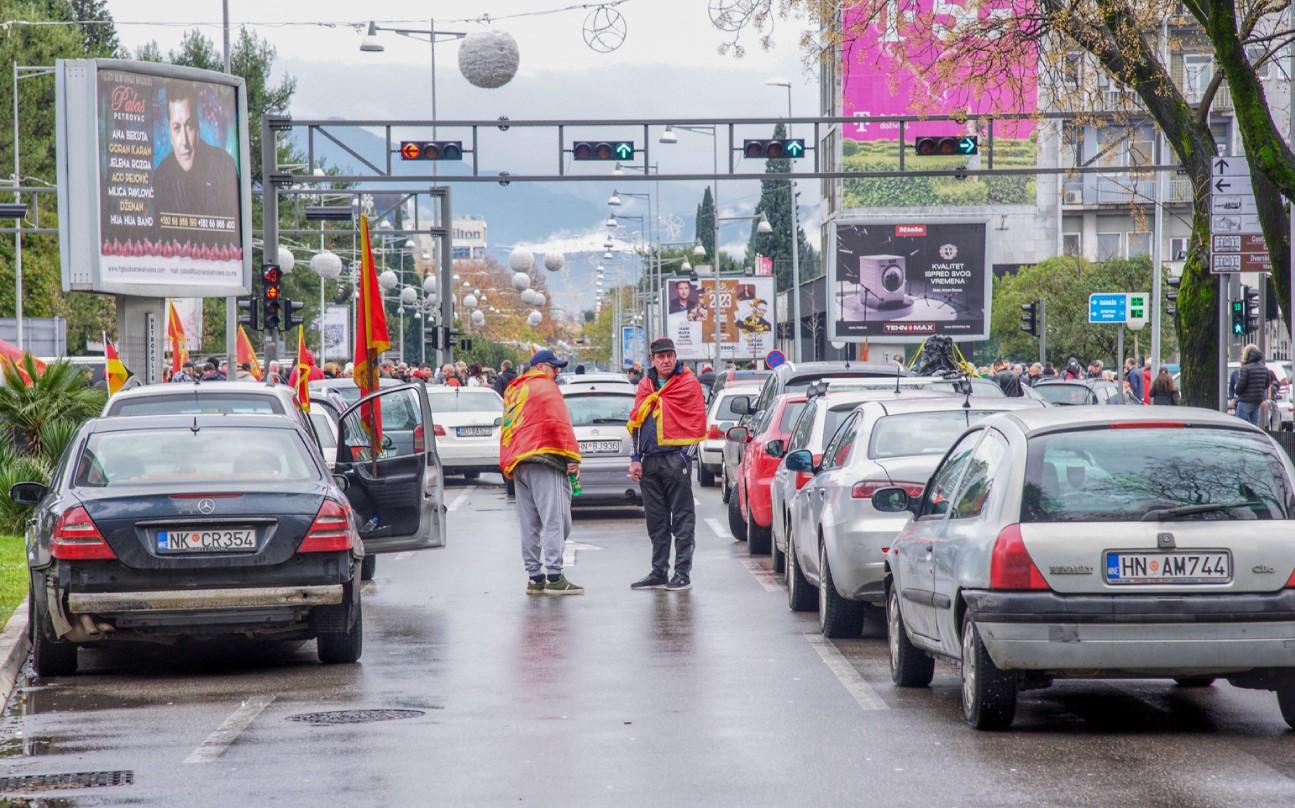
x: 521, y: 281
x: 521, y: 259
x: 326, y: 265
x: 554, y: 261
x: 534, y: 318
x: 286, y: 259
x: 408, y: 296
x: 699, y: 251
x: 388, y: 280
x: 430, y: 285
x: 478, y: 318
x: 764, y: 228
x: 470, y: 302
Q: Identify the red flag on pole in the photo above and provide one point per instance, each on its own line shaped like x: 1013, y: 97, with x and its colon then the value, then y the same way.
x: 303, y: 371
x: 371, y: 337
x: 175, y: 335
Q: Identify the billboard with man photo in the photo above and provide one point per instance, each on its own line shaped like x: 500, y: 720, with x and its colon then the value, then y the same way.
x: 740, y: 314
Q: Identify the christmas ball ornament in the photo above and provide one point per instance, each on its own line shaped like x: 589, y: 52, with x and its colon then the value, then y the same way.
x: 521, y: 280
x: 326, y: 265
x: 488, y: 59
x: 388, y: 280
x: 286, y: 260
x: 521, y: 259
x: 478, y: 318
x: 429, y: 284
x: 409, y: 296
x: 554, y: 261
x: 534, y: 318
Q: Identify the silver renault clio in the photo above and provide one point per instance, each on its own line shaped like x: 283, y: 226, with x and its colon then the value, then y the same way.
x: 1091, y: 542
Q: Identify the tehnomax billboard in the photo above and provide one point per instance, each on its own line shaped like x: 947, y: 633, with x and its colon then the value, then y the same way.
x: 904, y: 281
x: 743, y: 309
x: 154, y: 193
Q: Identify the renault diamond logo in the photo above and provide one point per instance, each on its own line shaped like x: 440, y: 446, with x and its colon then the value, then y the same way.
x: 206, y: 506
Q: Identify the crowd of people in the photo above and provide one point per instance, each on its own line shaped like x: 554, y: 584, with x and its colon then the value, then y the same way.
x: 1135, y: 377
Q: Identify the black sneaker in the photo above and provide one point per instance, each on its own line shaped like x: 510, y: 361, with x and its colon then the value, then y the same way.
x: 655, y: 580
x: 679, y: 583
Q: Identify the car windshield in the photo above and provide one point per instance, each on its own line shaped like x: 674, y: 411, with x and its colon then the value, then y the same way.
x: 1117, y: 475
x: 324, y: 429
x: 800, y: 385
x: 790, y: 413
x: 921, y: 433
x: 599, y: 409
x: 462, y: 400
x: 1064, y: 395
x: 202, y: 401
x: 208, y: 455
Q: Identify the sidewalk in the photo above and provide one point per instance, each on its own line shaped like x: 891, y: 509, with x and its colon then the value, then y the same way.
x: 15, y: 644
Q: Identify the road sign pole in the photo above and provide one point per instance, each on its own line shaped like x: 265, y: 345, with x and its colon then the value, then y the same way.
x: 1119, y: 347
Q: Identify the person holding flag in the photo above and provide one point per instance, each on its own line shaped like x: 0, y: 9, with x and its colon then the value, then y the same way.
x: 668, y: 419
x: 246, y: 355
x: 371, y: 339
x: 115, y: 373
x: 175, y: 336
x: 538, y: 451
x: 301, y: 373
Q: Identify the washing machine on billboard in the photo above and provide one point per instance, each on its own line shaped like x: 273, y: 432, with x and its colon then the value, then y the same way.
x: 883, y: 282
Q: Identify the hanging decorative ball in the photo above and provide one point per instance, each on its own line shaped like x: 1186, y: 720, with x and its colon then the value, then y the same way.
x: 534, y: 318
x: 488, y: 59
x: 388, y: 280
x: 521, y: 259
x: 554, y: 261
x: 478, y: 318
x: 326, y: 265
x: 470, y: 301
x: 433, y: 298
x: 604, y: 29
x: 409, y: 296
x: 521, y: 280
x: 539, y: 299
x: 286, y: 259
x: 430, y: 285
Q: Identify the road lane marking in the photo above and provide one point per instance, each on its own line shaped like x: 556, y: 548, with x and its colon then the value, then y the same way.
x: 569, y: 549
x: 461, y: 498
x: 846, y: 674
x: 718, y: 529
x: 696, y: 501
x: 404, y: 555
x: 761, y: 573
x: 220, y: 740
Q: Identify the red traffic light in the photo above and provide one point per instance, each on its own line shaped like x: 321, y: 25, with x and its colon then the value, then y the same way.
x: 754, y: 149
x: 410, y: 150
x: 271, y: 273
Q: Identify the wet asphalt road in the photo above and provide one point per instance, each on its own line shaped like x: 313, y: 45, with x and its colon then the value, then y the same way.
x: 718, y: 696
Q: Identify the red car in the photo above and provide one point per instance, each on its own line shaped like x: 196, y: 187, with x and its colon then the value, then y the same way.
x: 750, y: 511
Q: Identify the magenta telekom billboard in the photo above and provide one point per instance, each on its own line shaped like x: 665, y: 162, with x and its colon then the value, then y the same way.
x: 892, y: 65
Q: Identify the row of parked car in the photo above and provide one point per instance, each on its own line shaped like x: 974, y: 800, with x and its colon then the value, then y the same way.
x: 1022, y: 540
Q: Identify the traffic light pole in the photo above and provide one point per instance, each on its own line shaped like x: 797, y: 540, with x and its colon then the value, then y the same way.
x: 1043, y: 331
x: 269, y: 230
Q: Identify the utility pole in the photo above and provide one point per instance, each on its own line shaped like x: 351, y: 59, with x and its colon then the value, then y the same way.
x: 1043, y: 331
x: 231, y: 303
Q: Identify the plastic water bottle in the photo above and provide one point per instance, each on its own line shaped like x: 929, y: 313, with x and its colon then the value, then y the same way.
x: 575, y: 484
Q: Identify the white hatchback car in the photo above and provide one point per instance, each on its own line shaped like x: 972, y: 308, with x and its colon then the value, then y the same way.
x: 1101, y: 543
x: 466, y: 422
x: 598, y: 414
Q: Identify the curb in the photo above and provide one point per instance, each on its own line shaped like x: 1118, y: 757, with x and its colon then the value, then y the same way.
x: 15, y: 645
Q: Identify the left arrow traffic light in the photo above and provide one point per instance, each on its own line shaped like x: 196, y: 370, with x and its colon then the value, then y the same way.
x: 602, y: 150
x: 431, y: 150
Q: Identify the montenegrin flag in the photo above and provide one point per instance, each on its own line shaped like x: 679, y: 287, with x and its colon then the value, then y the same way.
x: 246, y: 354
x: 114, y: 370
x: 371, y: 337
x: 536, y: 422
x: 678, y: 406
x: 175, y: 336
x: 303, y: 371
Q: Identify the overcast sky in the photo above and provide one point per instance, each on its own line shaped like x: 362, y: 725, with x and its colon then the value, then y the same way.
x: 668, y: 66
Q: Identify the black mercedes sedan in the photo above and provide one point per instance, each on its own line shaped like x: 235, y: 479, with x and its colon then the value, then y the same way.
x: 195, y: 526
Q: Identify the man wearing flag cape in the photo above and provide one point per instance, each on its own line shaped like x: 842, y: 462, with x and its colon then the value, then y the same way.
x: 538, y: 451
x: 667, y: 422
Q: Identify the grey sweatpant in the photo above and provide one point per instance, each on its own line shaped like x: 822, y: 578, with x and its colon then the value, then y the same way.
x: 544, y: 511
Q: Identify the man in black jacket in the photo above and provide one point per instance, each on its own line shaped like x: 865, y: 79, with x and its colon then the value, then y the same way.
x: 505, y: 377
x: 1008, y: 380
x: 1252, y: 384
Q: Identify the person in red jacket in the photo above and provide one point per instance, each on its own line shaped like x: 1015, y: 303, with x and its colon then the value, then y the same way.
x: 315, y: 373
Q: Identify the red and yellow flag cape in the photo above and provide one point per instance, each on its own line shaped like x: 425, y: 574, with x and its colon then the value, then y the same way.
x: 175, y: 336
x: 536, y: 422
x: 303, y: 371
x: 114, y: 371
x: 246, y: 354
x: 679, y: 408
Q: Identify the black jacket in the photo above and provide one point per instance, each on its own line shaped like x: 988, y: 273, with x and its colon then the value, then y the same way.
x: 1252, y: 379
x: 1010, y: 383
x: 504, y: 379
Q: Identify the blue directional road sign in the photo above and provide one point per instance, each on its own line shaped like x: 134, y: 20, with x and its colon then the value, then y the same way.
x: 1108, y: 307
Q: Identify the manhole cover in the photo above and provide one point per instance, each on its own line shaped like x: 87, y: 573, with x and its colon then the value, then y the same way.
x: 68, y: 781
x: 353, y: 716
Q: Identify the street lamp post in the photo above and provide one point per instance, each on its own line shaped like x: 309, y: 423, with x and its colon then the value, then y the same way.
x: 795, y: 240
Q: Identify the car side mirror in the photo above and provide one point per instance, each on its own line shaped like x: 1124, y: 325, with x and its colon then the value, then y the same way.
x: 27, y: 493
x: 725, y: 426
x: 341, y: 481
x: 775, y: 448
x: 738, y: 434
x: 800, y: 460
x: 741, y: 405
x: 387, y: 443
x: 891, y: 500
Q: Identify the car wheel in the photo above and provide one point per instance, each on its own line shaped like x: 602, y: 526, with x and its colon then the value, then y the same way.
x: 837, y: 616
x: 988, y: 693
x: 1286, y: 703
x: 336, y: 647
x: 758, y: 539
x: 510, y: 488
x: 777, y: 558
x: 1193, y: 681
x: 50, y: 657
x: 736, y: 525
x: 800, y: 595
x: 725, y: 493
x: 909, y: 665
x: 368, y: 567
x: 705, y: 477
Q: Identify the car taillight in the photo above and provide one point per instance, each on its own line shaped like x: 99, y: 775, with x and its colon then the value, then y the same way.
x: 1011, y: 566
x: 438, y: 430
x: 713, y: 433
x: 864, y: 489
x: 77, y: 538
x: 420, y: 439
x: 331, y: 531
x: 1290, y: 582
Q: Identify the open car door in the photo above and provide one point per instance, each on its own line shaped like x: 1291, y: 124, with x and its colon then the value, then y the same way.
x: 398, y: 497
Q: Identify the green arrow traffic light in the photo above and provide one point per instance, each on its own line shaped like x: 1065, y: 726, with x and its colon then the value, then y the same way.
x: 624, y: 150
x: 795, y: 148
x: 968, y: 144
